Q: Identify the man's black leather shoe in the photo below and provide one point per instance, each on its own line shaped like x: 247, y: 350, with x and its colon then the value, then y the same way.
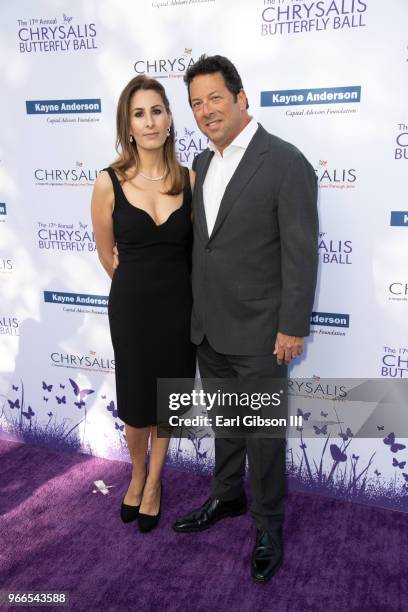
x: 267, y: 555
x: 213, y: 510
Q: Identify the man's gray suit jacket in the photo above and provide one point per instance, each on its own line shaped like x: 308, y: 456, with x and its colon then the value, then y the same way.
x: 255, y: 274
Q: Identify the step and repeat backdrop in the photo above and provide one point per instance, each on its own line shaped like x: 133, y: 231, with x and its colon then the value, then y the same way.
x: 329, y: 76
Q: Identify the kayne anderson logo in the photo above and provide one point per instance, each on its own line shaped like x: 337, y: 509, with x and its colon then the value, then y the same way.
x: 88, y: 362
x: 71, y: 237
x: 55, y: 35
x: 401, y: 142
x: 280, y: 19
x: 334, y: 251
x: 189, y: 143
x: 82, y: 303
x: 329, y: 320
x: 78, y: 176
x: 59, y: 112
x: 59, y: 107
x: 335, y: 178
x: 302, y: 97
x: 3, y: 212
x: 165, y: 67
x: 9, y: 326
x: 399, y: 218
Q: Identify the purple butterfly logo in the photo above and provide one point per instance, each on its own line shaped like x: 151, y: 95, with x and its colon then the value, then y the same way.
x: 347, y: 435
x: 15, y: 404
x: 112, y: 409
x: 103, y: 396
x: 30, y: 413
x: 303, y: 446
x: 394, y: 446
x: 304, y: 415
x: 356, y: 457
x: 337, y: 454
x: 45, y: 399
x: 15, y: 388
x: 120, y: 427
x: 46, y: 387
x: 377, y: 473
x: 81, y: 393
x: 320, y: 430
x: 79, y: 404
x: 324, y: 414
x: 61, y: 400
x: 380, y: 427
x: 400, y: 464
x: 49, y: 414
x: 62, y: 386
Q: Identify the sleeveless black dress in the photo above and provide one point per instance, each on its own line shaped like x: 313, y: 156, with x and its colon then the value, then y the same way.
x: 150, y: 304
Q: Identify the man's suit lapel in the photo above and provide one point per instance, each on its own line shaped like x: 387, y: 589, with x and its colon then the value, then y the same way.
x: 198, y: 205
x: 249, y: 164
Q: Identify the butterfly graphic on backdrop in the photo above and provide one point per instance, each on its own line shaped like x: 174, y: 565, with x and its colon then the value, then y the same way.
x: 400, y: 464
x: 304, y: 415
x: 66, y: 18
x: 188, y: 132
x: 49, y: 414
x: 103, y: 396
x: 120, y: 427
x: 324, y: 414
x: 80, y: 392
x: 337, y: 454
x: 62, y: 386
x: 15, y: 388
x: 45, y: 398
x: 46, y: 387
x: 377, y: 473
x: 405, y: 476
x: 112, y: 409
x: 380, y: 427
x: 320, y: 430
x: 61, y: 400
x: 394, y: 446
x: 79, y: 404
x: 347, y: 435
x: 30, y: 413
x: 356, y: 457
x: 15, y: 404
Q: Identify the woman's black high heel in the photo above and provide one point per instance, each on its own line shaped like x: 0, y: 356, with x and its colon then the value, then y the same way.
x: 147, y: 522
x: 130, y: 513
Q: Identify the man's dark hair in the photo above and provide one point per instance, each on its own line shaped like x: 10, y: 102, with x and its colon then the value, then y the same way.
x: 209, y: 64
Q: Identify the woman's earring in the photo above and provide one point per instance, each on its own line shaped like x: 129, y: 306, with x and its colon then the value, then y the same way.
x: 131, y: 138
x: 168, y: 131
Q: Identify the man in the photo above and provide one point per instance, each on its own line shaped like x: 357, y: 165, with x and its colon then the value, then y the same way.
x: 254, y: 277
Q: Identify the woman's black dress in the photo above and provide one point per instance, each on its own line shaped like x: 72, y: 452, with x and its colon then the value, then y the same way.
x: 150, y: 304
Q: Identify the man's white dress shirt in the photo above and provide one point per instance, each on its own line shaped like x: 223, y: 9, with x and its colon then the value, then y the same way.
x: 221, y: 169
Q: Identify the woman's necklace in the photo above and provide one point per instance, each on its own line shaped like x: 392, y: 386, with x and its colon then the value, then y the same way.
x: 152, y: 178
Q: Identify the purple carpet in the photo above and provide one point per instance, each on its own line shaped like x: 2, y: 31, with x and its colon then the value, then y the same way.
x: 55, y: 534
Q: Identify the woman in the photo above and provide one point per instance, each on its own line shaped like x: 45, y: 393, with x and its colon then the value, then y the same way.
x: 142, y: 202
